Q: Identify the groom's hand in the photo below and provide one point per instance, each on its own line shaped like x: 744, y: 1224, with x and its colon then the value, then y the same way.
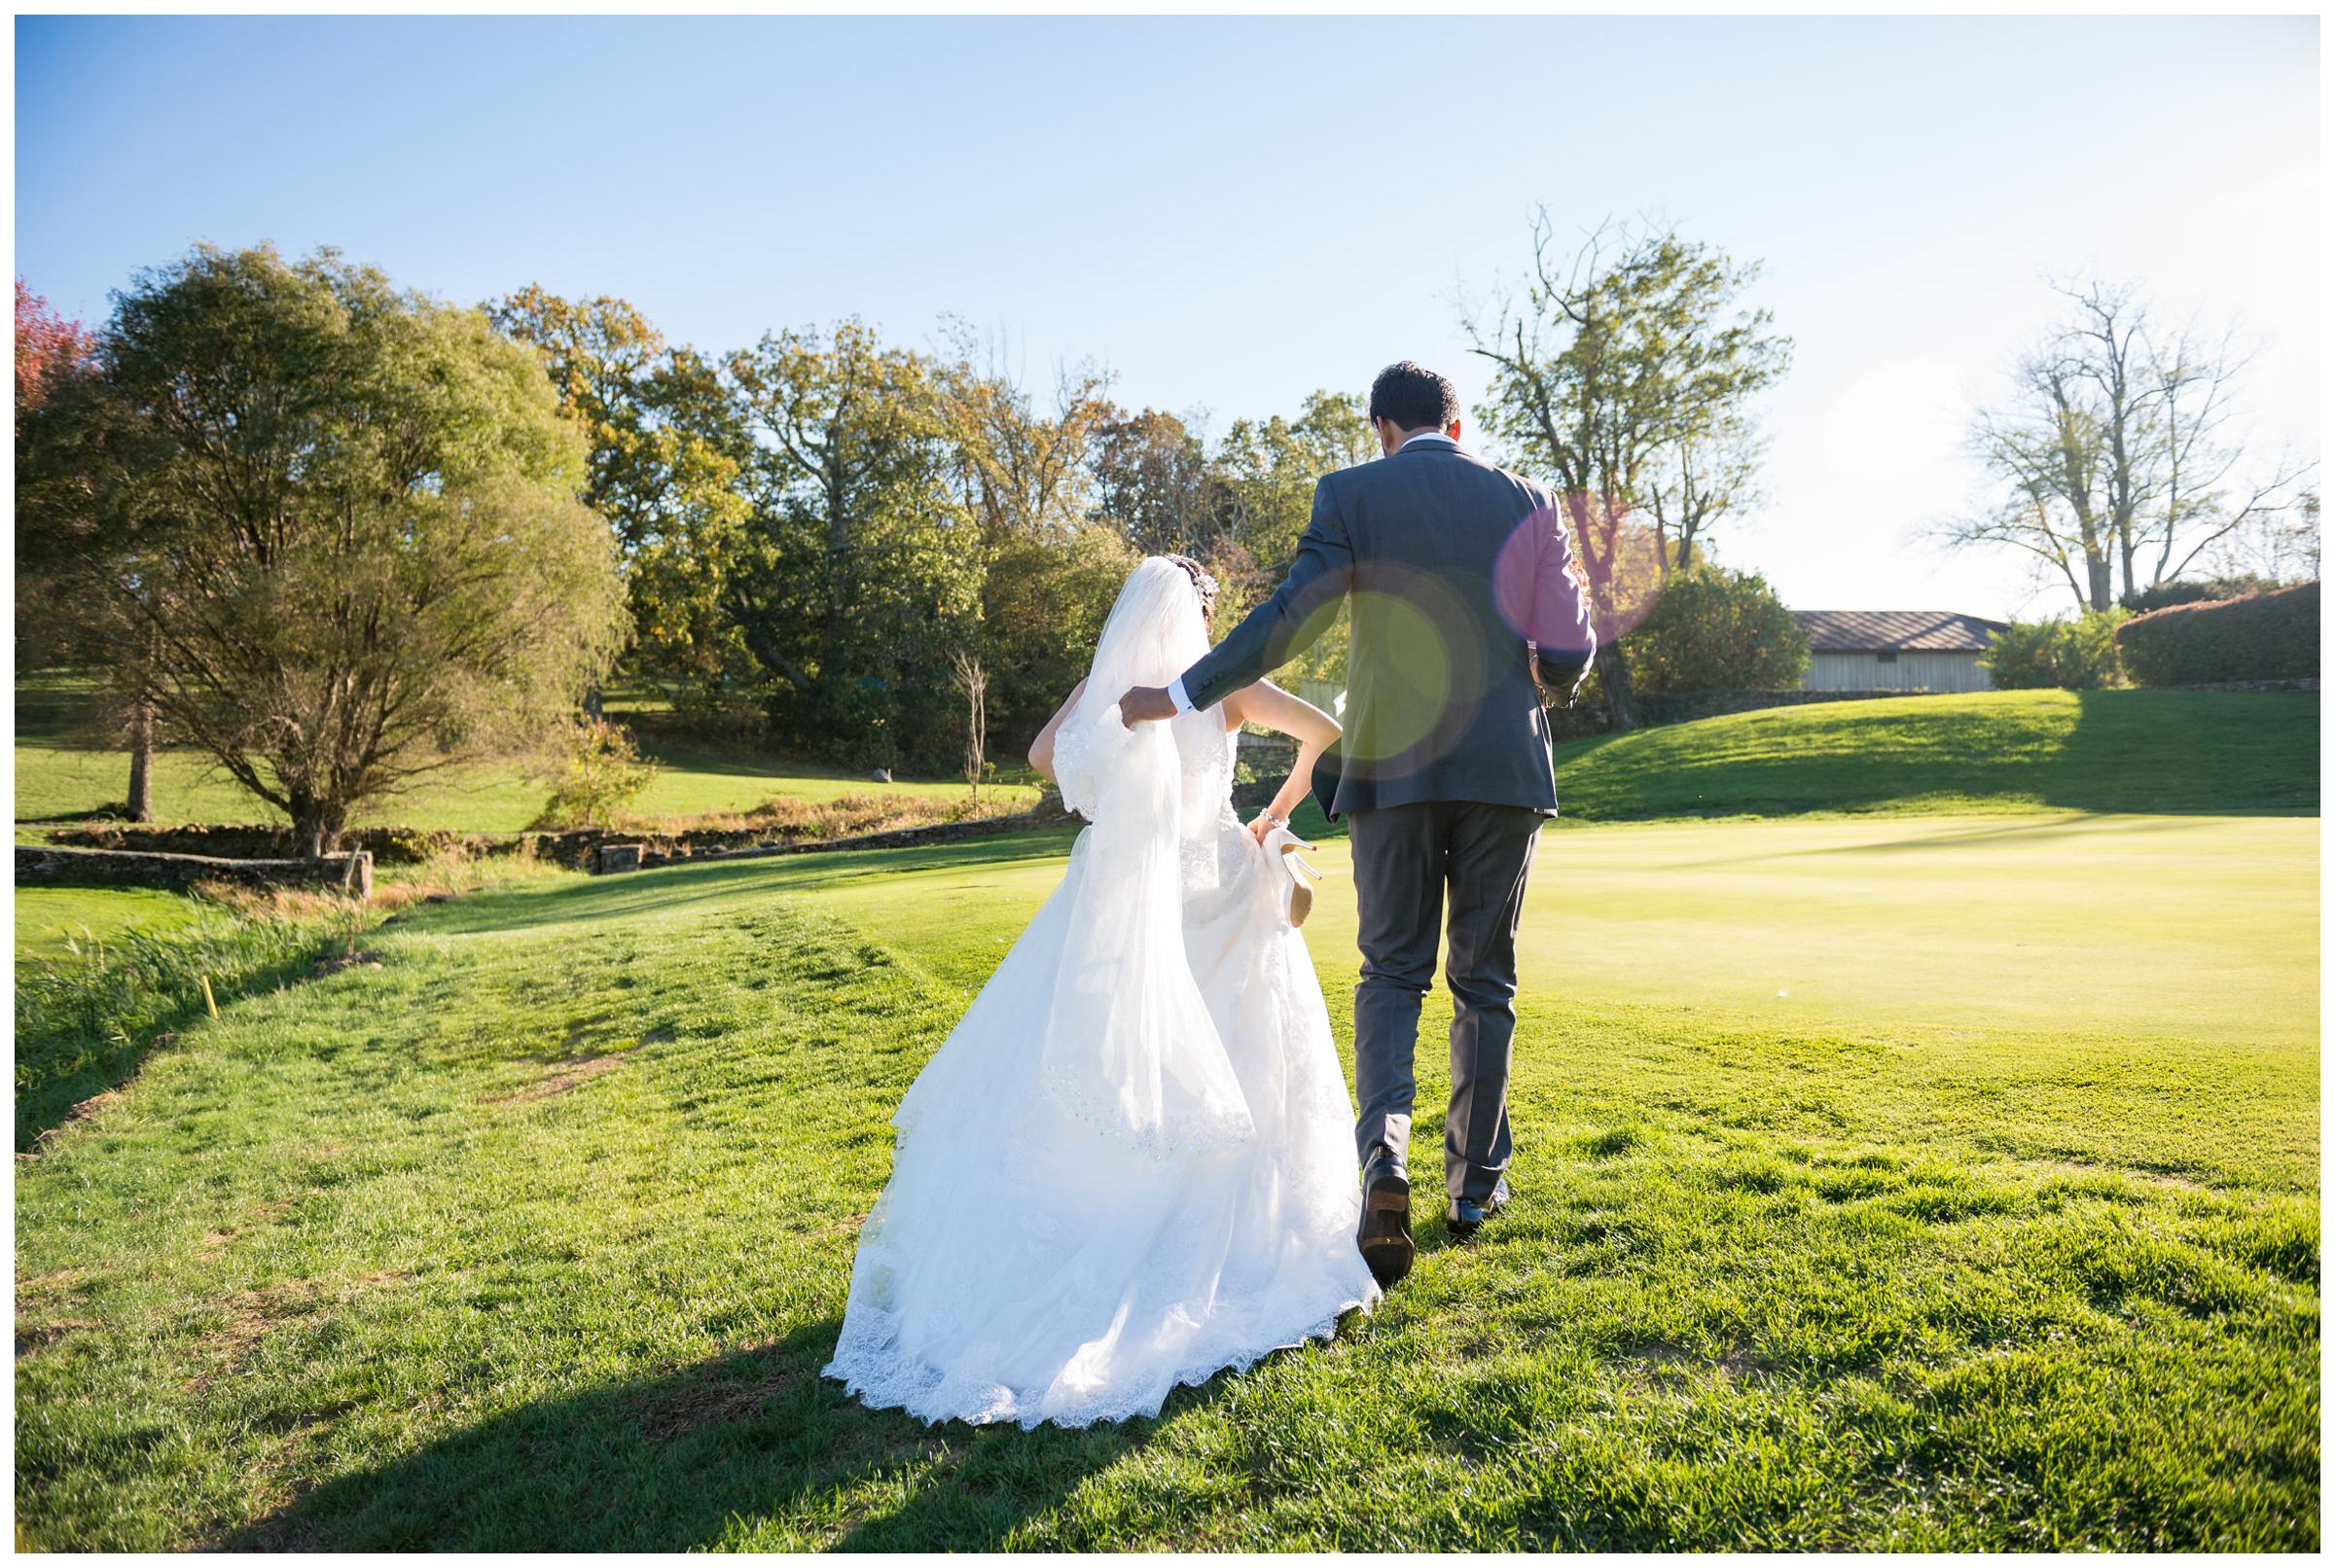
x: 1143, y: 703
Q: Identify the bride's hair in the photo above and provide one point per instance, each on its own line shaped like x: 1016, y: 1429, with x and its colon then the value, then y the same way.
x: 1203, y: 582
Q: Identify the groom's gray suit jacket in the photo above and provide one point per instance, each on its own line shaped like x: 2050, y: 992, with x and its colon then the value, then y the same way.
x: 1455, y: 570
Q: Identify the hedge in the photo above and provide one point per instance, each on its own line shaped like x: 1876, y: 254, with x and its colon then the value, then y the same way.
x: 2269, y: 636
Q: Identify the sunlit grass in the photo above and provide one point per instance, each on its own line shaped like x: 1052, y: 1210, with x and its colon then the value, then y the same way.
x: 60, y: 773
x: 2215, y: 752
x: 537, y: 1234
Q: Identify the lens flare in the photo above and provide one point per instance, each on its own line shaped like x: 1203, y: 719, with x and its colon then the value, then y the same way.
x: 1426, y: 694
x: 1616, y: 567
x: 1415, y: 674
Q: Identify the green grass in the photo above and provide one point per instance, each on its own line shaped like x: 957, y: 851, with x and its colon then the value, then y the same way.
x: 47, y: 918
x: 59, y: 776
x: 90, y: 1008
x: 2219, y: 753
x: 1944, y: 1181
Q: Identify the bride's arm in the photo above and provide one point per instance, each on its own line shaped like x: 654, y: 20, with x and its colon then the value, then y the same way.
x: 1267, y: 705
x: 1041, y: 749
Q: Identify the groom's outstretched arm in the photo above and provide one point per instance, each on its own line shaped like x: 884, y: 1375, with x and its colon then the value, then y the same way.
x: 1563, y: 633
x: 1288, y: 622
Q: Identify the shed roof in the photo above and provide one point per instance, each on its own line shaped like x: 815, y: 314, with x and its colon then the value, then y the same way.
x: 1871, y: 631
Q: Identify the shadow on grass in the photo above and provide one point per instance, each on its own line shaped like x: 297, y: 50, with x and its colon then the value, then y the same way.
x: 675, y: 888
x: 707, y: 1452
x: 2170, y: 753
x: 2021, y: 831
x: 2204, y: 753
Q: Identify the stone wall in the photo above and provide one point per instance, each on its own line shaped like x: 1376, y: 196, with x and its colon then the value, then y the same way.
x: 577, y: 847
x: 617, y: 852
x: 60, y: 865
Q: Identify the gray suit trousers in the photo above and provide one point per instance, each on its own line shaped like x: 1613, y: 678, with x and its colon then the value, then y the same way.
x: 1411, y: 863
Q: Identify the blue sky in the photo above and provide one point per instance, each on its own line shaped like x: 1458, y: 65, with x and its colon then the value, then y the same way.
x: 1233, y: 212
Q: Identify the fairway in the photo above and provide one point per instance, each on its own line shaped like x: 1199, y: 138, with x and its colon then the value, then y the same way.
x: 1887, y: 1182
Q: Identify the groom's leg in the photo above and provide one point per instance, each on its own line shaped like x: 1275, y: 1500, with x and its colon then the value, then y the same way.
x: 1398, y: 894
x: 1490, y: 857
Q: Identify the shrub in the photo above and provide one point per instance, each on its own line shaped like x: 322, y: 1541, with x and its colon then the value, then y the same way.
x: 2077, y: 656
x: 1717, y: 630
x: 595, y: 773
x: 2262, y: 637
x: 2167, y: 595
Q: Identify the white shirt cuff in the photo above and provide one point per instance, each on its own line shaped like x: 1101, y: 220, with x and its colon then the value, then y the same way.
x: 1175, y: 692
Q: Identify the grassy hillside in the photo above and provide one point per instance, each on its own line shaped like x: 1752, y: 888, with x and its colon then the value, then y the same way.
x: 1906, y: 1184
x: 2215, y: 752
x: 62, y: 772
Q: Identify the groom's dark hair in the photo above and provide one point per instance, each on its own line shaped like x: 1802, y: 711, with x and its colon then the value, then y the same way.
x: 1413, y: 397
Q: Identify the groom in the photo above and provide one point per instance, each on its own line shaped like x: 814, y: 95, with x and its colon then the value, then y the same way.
x: 1464, y: 605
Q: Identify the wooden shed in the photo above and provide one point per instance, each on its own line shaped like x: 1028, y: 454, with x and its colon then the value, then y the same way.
x: 1895, y: 650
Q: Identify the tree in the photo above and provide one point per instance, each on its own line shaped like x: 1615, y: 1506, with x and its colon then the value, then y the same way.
x: 48, y: 346
x: 595, y: 770
x: 341, y: 521
x: 53, y: 624
x: 1152, y: 482
x: 662, y: 469
x: 1700, y: 479
x: 2113, y: 455
x: 1718, y: 630
x: 1043, y: 603
x: 1022, y: 470
x: 1265, y: 472
x: 1622, y: 374
x: 973, y: 683
x: 861, y: 567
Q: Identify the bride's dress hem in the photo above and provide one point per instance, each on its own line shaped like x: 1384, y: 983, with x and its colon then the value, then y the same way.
x: 892, y: 1399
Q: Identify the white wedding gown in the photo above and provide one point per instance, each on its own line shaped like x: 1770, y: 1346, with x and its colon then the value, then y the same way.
x: 1130, y: 1166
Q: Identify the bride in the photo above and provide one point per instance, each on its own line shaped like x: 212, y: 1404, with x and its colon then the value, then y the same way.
x: 1129, y: 1166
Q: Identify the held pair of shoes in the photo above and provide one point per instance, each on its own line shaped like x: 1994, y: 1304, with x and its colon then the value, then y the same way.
x: 1385, y: 1235
x: 1283, y: 845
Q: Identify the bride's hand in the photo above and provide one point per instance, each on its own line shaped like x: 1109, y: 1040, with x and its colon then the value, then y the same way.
x: 1264, y: 823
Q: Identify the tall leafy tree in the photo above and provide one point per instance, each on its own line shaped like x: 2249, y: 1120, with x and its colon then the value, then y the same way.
x: 662, y: 469
x: 861, y: 568
x: 55, y: 623
x: 1613, y: 367
x: 1265, y: 470
x: 1048, y: 574
x: 339, y: 519
x: 1153, y: 483
x: 1023, y: 469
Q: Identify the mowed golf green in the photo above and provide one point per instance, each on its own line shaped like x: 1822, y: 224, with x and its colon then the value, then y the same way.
x: 1884, y: 1182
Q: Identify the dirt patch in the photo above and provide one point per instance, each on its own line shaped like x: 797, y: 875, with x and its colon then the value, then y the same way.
x: 340, y: 961
x: 32, y: 1337
x: 566, y: 1074
x: 94, y: 1106
x: 1656, y: 1361
x: 255, y: 1314
x: 260, y: 1219
x: 715, y: 1402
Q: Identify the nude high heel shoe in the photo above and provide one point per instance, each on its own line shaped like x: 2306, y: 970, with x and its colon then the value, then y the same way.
x: 1283, y: 845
